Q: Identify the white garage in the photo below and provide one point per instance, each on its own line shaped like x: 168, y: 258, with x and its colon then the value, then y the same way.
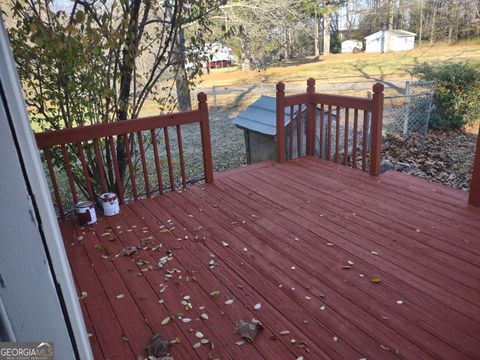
x: 390, y: 40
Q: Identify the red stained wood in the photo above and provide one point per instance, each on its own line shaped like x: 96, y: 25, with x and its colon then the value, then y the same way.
x: 131, y: 170
x: 364, y: 141
x: 153, y: 134
x: 144, y: 163
x: 281, y: 102
x: 474, y: 196
x: 337, y: 134
x: 180, y: 156
x: 299, y: 131
x: 329, y: 132
x: 118, y: 179
x: 355, y: 139
x: 290, y: 157
x: 275, y: 216
x: 346, y: 138
x: 205, y: 135
x: 322, y: 131
x: 169, y: 159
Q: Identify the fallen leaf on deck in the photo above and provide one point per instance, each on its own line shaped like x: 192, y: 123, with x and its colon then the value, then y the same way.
x: 399, y: 302
x: 329, y: 244
x: 158, y: 347
x: 225, y: 244
x: 240, y: 343
x: 80, y: 238
x: 374, y: 252
x: 257, y: 306
x: 215, y: 294
x: 229, y: 302
x: 284, y: 332
x: 83, y: 295
x: 165, y: 321
x: 204, y: 316
x: 246, y: 330
x: 322, y: 308
x: 197, y: 345
x: 384, y: 348
x: 350, y: 262
x: 120, y: 296
x: 375, y: 280
x: 199, y: 334
x: 128, y: 251
x: 346, y: 267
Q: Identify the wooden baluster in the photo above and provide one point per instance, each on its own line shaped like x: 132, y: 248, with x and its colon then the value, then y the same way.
x: 329, y: 131
x: 310, y: 124
x: 116, y: 169
x: 376, y: 129
x: 337, y: 135
x: 130, y: 166
x: 68, y: 169
x: 345, y: 141
x: 280, y: 138
x: 299, y: 131
x: 88, y: 183
x: 101, y: 171
x: 474, y: 195
x: 364, y: 140
x: 144, y: 163
x: 322, y: 132
x: 58, y: 199
x: 355, y: 135
x: 205, y: 133
x: 292, y: 129
x: 153, y: 134
x: 169, y: 159
x: 180, y: 154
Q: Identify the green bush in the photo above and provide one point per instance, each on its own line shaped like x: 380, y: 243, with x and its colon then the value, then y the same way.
x: 457, y: 93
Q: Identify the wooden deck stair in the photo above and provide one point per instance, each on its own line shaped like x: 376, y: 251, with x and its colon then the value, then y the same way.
x: 291, y: 228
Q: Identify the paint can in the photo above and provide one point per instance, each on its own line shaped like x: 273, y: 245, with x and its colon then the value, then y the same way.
x: 86, y: 213
x: 110, y: 204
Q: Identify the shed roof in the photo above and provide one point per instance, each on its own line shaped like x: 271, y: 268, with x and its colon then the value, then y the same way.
x: 396, y: 33
x: 261, y: 116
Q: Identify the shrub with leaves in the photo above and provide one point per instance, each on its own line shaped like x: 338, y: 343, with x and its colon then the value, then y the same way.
x: 457, y: 93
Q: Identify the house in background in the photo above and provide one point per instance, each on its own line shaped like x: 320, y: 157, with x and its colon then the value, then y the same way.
x: 219, y: 56
x: 390, y: 40
x: 351, y: 46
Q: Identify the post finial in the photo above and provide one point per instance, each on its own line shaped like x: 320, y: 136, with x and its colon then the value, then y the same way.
x: 311, y: 82
x: 280, y: 86
x: 202, y: 97
x: 378, y: 87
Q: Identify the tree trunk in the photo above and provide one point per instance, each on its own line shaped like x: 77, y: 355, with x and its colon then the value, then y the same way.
x: 315, y: 35
x: 245, y: 54
x: 420, y: 30
x: 181, y: 83
x: 432, y: 28
x: 326, y: 35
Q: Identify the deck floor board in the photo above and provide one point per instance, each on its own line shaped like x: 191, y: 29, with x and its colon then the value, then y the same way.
x: 281, y: 235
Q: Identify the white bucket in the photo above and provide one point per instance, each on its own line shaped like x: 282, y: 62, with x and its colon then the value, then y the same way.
x: 110, y: 204
x: 86, y: 213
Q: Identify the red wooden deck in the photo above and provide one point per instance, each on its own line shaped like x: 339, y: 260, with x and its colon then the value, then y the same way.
x: 304, y: 238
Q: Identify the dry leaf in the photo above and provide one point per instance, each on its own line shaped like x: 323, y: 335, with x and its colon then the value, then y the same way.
x: 257, y: 306
x: 83, y: 295
x: 375, y: 280
x: 246, y: 330
x: 204, y: 316
x: 240, y: 343
x: 120, y: 296
x: 215, y: 294
x: 158, y: 347
x: 165, y: 321
x: 229, y: 302
x: 284, y: 332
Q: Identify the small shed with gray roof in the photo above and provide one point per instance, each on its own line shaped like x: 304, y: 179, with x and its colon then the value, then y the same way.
x: 259, y: 123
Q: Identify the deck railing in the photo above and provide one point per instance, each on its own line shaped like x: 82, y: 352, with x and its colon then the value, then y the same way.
x: 323, y: 122
x: 96, y: 158
x: 474, y: 196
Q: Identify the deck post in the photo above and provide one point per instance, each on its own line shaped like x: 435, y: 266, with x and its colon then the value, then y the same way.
x: 376, y: 129
x: 280, y: 137
x: 310, y: 123
x: 205, y: 135
x: 474, y: 195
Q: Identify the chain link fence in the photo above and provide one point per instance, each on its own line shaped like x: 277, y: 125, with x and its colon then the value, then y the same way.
x: 406, y: 117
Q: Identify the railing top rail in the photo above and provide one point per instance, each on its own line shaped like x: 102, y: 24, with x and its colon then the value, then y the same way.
x: 74, y: 135
x: 333, y: 100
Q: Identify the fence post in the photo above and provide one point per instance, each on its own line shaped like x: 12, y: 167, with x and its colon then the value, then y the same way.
x: 406, y: 118
x: 376, y: 132
x: 474, y: 195
x: 280, y: 138
x: 310, y: 124
x: 205, y: 135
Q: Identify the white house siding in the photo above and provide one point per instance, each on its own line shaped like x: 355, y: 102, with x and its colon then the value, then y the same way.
x: 390, y: 40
